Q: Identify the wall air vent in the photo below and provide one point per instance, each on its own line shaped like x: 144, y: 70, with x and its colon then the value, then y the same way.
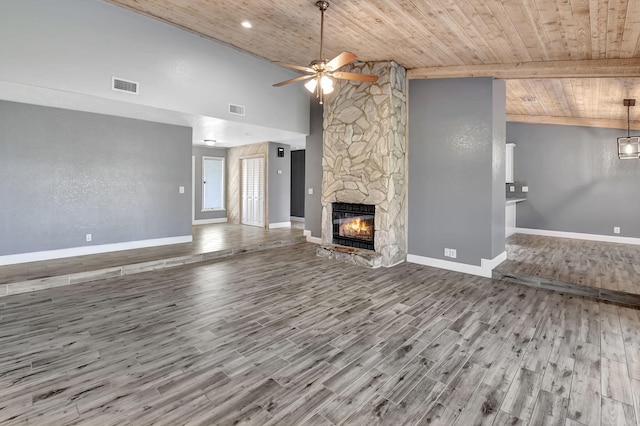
x: 236, y: 109
x: 121, y: 85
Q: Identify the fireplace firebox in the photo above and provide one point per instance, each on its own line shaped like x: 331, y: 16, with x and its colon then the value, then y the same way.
x: 354, y: 225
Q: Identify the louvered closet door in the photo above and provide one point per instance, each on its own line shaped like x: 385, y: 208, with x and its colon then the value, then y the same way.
x: 253, y: 191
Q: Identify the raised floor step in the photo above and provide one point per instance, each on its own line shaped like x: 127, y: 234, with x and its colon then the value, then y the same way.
x: 10, y: 288
x: 607, y: 295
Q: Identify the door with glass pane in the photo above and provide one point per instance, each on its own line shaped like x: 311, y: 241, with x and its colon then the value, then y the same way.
x: 253, y: 191
x: 212, y: 183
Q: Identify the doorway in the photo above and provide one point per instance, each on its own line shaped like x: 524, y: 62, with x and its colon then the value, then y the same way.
x: 252, y: 202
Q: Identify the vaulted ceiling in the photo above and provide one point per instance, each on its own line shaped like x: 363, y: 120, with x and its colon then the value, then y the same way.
x: 564, y: 61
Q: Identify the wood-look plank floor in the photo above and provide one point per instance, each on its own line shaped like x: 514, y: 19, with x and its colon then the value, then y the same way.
x: 593, y: 264
x: 284, y: 337
x: 206, y: 238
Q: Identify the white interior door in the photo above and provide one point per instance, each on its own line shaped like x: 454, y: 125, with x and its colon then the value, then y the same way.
x: 253, y: 191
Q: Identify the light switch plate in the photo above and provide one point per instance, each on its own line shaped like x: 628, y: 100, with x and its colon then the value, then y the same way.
x: 525, y: 189
x: 447, y: 252
x: 454, y: 253
x: 279, y: 172
x: 512, y: 188
x: 181, y: 189
x: 310, y: 191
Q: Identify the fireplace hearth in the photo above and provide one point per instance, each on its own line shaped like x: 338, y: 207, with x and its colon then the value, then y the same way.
x: 354, y: 225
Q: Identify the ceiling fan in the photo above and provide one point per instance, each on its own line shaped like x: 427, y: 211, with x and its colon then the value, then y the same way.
x: 320, y: 71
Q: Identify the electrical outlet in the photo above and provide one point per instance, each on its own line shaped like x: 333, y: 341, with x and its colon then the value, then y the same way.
x: 447, y: 252
x: 181, y: 189
x: 279, y: 171
x: 616, y: 229
x: 525, y: 189
x: 512, y: 188
x: 453, y: 253
x: 88, y: 238
x: 310, y: 191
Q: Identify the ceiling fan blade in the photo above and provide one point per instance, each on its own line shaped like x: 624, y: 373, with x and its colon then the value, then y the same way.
x: 294, y: 80
x: 354, y: 76
x: 295, y: 67
x: 341, y: 60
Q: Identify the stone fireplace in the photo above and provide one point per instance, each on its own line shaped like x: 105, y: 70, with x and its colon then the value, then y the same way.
x: 364, y: 158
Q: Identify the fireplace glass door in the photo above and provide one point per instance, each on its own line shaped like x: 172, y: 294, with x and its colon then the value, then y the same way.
x: 353, y: 225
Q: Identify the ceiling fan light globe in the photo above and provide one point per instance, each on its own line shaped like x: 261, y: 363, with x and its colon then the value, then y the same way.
x: 311, y: 85
x: 629, y: 148
x: 327, y: 90
x: 326, y: 83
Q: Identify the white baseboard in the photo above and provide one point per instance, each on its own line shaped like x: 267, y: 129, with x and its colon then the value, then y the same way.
x: 97, y: 249
x: 296, y: 219
x: 484, y: 270
x: 280, y: 225
x: 209, y: 221
x: 579, y: 236
x: 310, y: 239
x: 490, y: 264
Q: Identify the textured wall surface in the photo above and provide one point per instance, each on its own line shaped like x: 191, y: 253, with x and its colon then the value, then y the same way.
x: 198, y: 153
x: 313, y: 172
x: 279, y: 191
x: 576, y: 181
x: 64, y: 174
x: 364, y: 153
x: 234, y: 163
x: 498, y: 159
x: 85, y: 43
x: 453, y: 169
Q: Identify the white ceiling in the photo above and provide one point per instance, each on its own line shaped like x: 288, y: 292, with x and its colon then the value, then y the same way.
x: 226, y: 133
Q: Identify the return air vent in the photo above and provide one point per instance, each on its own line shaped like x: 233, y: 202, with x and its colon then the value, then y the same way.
x: 236, y: 109
x: 121, y: 85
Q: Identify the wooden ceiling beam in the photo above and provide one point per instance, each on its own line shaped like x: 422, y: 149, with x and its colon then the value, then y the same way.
x: 575, y: 121
x: 595, y: 68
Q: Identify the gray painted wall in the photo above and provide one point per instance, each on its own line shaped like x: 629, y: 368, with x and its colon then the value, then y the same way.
x: 451, y: 168
x: 279, y: 185
x: 198, y: 152
x: 85, y: 43
x: 297, y: 183
x: 498, y: 159
x: 64, y: 174
x: 313, y: 172
x: 576, y: 181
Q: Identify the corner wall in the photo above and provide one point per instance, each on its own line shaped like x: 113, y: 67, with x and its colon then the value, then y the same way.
x: 498, y: 167
x: 65, y: 174
x: 313, y: 173
x: 456, y: 159
x: 279, y: 182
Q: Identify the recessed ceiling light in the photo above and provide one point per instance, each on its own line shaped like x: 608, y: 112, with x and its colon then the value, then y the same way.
x: 247, y: 24
x: 209, y: 142
x: 529, y: 99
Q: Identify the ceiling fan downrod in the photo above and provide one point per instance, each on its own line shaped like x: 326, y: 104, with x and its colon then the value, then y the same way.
x: 322, y: 5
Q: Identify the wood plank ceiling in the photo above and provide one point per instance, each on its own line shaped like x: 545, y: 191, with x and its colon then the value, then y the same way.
x: 565, y: 61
